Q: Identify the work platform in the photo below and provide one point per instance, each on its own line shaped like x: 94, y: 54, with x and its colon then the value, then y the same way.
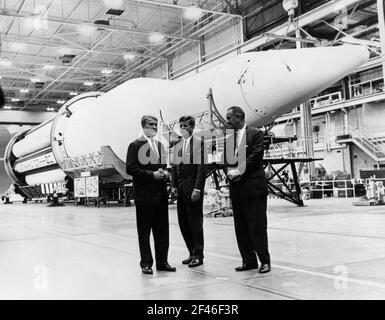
x: 326, y: 250
x: 291, y: 191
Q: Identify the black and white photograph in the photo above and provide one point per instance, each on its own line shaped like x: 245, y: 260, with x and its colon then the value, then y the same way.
x: 192, y: 155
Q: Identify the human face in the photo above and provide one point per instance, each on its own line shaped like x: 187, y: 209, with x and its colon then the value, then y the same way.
x: 150, y: 129
x: 233, y: 121
x: 186, y: 129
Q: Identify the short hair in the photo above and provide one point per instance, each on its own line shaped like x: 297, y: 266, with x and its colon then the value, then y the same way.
x: 147, y: 118
x: 238, y: 111
x: 189, y: 119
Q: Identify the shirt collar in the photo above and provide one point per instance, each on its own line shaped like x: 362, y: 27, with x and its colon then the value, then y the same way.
x: 148, y: 138
x: 242, y: 129
x: 188, y: 139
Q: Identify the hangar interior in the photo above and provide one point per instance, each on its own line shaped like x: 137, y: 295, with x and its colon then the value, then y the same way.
x: 83, y: 47
x: 54, y: 50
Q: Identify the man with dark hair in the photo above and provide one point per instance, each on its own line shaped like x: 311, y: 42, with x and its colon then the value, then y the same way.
x: 248, y: 193
x: 146, y: 162
x: 188, y: 181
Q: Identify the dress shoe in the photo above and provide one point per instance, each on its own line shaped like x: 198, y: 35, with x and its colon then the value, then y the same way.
x: 265, y: 267
x: 245, y: 267
x: 165, y: 267
x: 187, y: 261
x: 195, y: 262
x: 147, y: 270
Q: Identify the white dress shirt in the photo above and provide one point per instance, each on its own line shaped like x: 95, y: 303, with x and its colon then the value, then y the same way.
x: 240, y: 135
x: 185, y: 146
x: 153, y: 144
x: 186, y: 143
x: 241, y: 132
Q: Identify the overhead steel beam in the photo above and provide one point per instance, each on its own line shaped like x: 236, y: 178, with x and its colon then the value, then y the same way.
x: 271, y: 35
x: 41, y: 43
x: 18, y: 87
x: 24, y: 117
x: 60, y: 66
x: 57, y: 29
x: 65, y: 80
x: 176, y: 6
x: 166, y: 50
x: 13, y: 15
x: 234, y: 10
x: 307, y: 18
x: 101, y: 40
x: 40, y: 59
x: 310, y: 17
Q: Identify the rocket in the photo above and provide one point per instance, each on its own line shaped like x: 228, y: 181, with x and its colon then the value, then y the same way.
x: 92, y: 131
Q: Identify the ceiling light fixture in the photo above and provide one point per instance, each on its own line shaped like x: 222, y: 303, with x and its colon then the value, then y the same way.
x: 50, y: 109
x: 35, y: 79
x: 106, y: 71
x: 192, y: 13
x: 5, y: 63
x: 64, y: 51
x: 88, y: 83
x: 49, y: 67
x: 60, y: 101
x: 86, y: 30
x: 24, y: 90
x: 17, y: 46
x: 114, y: 4
x: 15, y: 99
x: 128, y: 56
x: 7, y: 107
x: 73, y: 93
x: 38, y: 23
x: 40, y: 19
x: 156, y: 37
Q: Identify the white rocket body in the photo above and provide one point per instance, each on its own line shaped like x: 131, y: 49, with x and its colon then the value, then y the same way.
x: 265, y: 84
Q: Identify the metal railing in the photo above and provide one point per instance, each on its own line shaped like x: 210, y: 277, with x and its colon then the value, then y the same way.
x: 326, y: 100
x: 295, y: 148
x: 367, y: 87
x: 329, y: 189
x: 374, y: 145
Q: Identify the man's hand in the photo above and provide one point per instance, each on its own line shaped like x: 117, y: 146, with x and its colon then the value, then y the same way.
x: 234, y: 175
x: 195, y: 195
x: 165, y: 173
x: 174, y: 192
x: 158, y: 175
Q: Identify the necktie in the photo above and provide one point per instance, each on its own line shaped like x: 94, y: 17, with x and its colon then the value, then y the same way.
x: 184, y: 147
x: 236, y: 135
x: 153, y: 147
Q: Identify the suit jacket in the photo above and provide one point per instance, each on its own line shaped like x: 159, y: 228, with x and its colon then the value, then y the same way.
x: 253, y: 179
x: 189, y: 170
x: 147, y: 190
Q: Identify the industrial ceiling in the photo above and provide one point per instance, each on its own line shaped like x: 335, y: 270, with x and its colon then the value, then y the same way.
x: 52, y: 50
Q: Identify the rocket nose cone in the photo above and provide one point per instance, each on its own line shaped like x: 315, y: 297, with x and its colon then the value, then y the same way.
x: 326, y: 65
x: 359, y: 53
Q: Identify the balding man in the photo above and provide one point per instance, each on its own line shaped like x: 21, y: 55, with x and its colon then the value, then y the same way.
x: 146, y: 163
x: 248, y: 192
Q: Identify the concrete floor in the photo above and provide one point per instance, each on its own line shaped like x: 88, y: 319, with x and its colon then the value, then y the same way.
x: 326, y: 250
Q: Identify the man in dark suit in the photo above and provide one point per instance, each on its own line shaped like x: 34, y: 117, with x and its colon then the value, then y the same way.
x: 188, y: 181
x: 146, y: 163
x: 248, y: 192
